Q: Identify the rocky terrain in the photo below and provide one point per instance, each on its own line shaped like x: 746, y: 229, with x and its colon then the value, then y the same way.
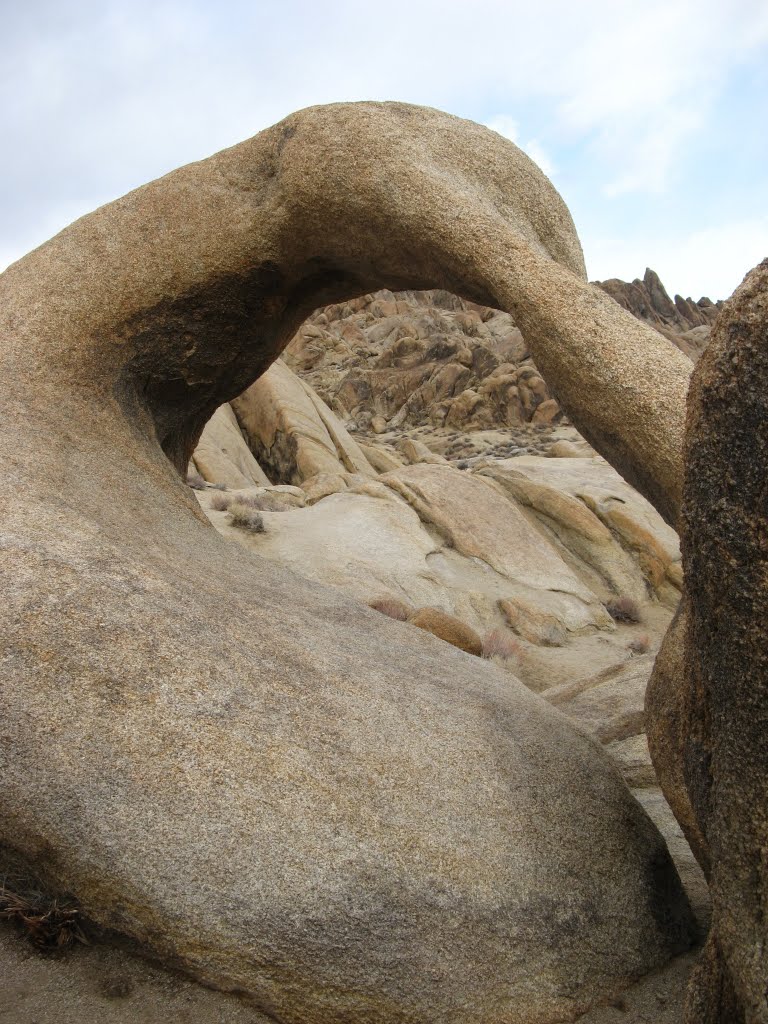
x: 390, y: 361
x: 375, y: 747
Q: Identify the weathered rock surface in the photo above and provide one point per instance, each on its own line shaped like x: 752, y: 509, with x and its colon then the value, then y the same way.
x: 480, y: 524
x: 723, y: 752
x: 436, y: 536
x: 589, y: 513
x: 263, y: 781
x: 411, y: 358
x: 402, y: 359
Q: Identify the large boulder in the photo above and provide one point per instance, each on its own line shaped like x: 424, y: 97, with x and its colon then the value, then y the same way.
x: 293, y: 431
x: 260, y: 780
x: 223, y: 457
x: 723, y: 752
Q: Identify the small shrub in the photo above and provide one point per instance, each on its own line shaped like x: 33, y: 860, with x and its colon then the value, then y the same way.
x: 623, y: 609
x: 260, y: 502
x: 639, y: 644
x: 264, y: 502
x: 196, y: 482
x: 245, y: 518
x: 221, y: 502
x: 500, y: 643
x: 392, y: 607
x: 46, y: 922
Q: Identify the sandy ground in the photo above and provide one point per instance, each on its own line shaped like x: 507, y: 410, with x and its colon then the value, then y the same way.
x: 100, y: 985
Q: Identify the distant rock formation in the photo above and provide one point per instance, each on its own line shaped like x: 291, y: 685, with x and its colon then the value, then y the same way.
x: 395, y: 360
x: 686, y: 323
x: 398, y: 360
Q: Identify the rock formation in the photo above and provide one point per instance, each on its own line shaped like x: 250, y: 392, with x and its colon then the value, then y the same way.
x: 686, y: 323
x: 416, y: 358
x: 390, y: 360
x: 723, y: 751
x: 259, y: 780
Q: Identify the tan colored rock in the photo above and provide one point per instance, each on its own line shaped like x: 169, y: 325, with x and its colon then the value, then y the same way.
x: 548, y: 412
x: 565, y: 450
x: 480, y: 523
x: 321, y: 485
x: 382, y: 459
x: 597, y: 516
x: 230, y: 764
x: 574, y: 528
x: 223, y: 457
x: 533, y: 624
x: 449, y: 628
x: 393, y: 607
x: 416, y: 451
x: 609, y: 704
x: 633, y: 759
x: 292, y: 429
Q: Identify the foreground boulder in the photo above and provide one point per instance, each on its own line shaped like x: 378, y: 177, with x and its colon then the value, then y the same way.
x: 261, y: 781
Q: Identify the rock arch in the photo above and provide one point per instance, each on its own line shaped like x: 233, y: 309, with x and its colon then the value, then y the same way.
x: 260, y: 781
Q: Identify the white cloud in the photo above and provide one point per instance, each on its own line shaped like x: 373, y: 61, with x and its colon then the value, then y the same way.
x: 710, y: 261
x: 641, y: 83
x: 507, y: 126
x: 106, y: 95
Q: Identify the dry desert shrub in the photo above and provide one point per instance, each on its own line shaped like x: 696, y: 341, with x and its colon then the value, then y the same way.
x: 623, y: 609
x: 258, y: 502
x: 392, y: 607
x: 244, y: 517
x: 196, y: 482
x: 265, y: 502
x: 500, y: 643
x: 221, y: 502
x: 639, y: 644
x: 47, y: 922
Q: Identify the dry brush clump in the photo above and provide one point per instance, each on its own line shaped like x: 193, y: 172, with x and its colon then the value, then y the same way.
x: 48, y: 923
x: 221, y: 502
x: 623, y: 609
x: 639, y: 644
x: 500, y: 645
x: 245, y: 517
x: 196, y: 482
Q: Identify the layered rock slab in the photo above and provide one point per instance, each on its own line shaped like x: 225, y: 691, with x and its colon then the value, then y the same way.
x: 220, y: 759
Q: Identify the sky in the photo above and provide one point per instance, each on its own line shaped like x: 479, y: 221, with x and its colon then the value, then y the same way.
x: 650, y: 118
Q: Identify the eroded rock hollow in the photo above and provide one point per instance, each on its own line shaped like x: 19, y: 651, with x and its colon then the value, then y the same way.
x: 260, y: 780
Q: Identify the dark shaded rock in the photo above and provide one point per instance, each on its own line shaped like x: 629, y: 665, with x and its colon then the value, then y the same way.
x: 725, y: 551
